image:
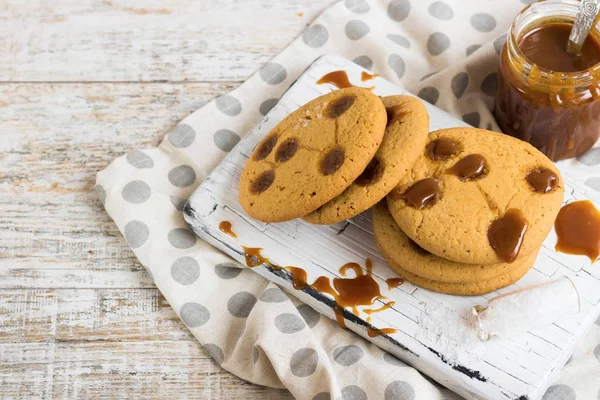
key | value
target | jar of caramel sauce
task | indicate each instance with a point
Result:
(546, 96)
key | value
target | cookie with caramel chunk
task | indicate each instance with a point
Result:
(312, 155)
(476, 196)
(404, 253)
(405, 136)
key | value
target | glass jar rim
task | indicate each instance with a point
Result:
(578, 77)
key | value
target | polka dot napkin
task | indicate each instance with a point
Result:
(446, 52)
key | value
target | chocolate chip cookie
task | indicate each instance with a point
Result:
(476, 196)
(312, 155)
(412, 258)
(405, 136)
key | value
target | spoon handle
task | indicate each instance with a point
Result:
(586, 17)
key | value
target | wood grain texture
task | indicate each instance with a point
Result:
(82, 82)
(134, 40)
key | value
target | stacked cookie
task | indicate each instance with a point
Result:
(334, 157)
(467, 209)
(471, 215)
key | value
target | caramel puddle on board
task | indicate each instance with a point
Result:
(365, 76)
(225, 227)
(360, 291)
(578, 229)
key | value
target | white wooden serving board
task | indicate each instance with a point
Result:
(520, 367)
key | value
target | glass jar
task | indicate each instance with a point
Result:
(557, 112)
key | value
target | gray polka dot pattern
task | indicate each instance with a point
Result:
(390, 359)
(590, 157)
(273, 73)
(437, 43)
(289, 323)
(136, 192)
(136, 233)
(255, 354)
(322, 396)
(353, 392)
(429, 94)
(227, 270)
(241, 304)
(473, 119)
(101, 193)
(396, 63)
(194, 314)
(364, 61)
(398, 10)
(559, 392)
(483, 22)
(399, 390)
(304, 362)
(597, 353)
(490, 84)
(598, 321)
(594, 183)
(181, 238)
(228, 105)
(182, 136)
(185, 270)
(357, 6)
(498, 43)
(182, 176)
(399, 39)
(215, 352)
(347, 355)
(178, 202)
(472, 48)
(311, 317)
(139, 160)
(441, 10)
(315, 36)
(356, 29)
(266, 106)
(225, 139)
(273, 295)
(459, 84)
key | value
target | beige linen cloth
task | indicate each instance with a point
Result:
(444, 51)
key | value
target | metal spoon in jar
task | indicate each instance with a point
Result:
(586, 17)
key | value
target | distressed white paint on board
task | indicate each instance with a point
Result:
(505, 369)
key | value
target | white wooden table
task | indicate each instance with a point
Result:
(82, 82)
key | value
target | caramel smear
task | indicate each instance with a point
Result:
(470, 168)
(542, 180)
(336, 78)
(506, 234)
(578, 229)
(421, 194)
(365, 76)
(225, 227)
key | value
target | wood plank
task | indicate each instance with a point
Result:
(28, 315)
(119, 370)
(178, 40)
(54, 140)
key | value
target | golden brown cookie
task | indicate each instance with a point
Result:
(464, 288)
(409, 256)
(405, 136)
(312, 155)
(476, 196)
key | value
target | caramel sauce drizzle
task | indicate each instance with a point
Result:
(374, 332)
(337, 78)
(362, 290)
(578, 229)
(394, 282)
(254, 258)
(225, 227)
(365, 76)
